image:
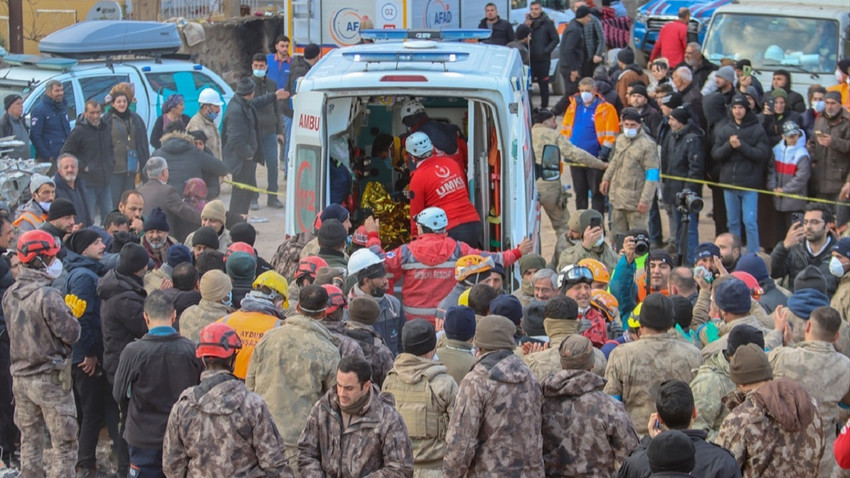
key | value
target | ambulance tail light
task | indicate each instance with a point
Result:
(404, 78)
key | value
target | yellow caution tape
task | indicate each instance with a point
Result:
(252, 188)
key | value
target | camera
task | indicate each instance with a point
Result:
(688, 201)
(641, 244)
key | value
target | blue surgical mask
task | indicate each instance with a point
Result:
(819, 106)
(630, 132)
(259, 73)
(44, 205)
(212, 116)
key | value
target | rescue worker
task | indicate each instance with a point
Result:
(575, 281)
(201, 438)
(353, 430)
(426, 264)
(362, 314)
(260, 311)
(370, 274)
(585, 431)
(456, 353)
(482, 439)
(425, 395)
(33, 213)
(333, 321)
(305, 274)
(216, 293)
(41, 331)
(469, 271)
(447, 138)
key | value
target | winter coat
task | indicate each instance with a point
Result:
(501, 32)
(712, 461)
(458, 357)
(29, 216)
(83, 274)
(692, 96)
(773, 295)
(605, 120)
(594, 36)
(185, 162)
(790, 262)
(710, 385)
(744, 166)
(40, 326)
(374, 349)
(830, 165)
(774, 123)
(121, 315)
(542, 135)
(682, 155)
(298, 67)
(181, 217)
(347, 346)
(9, 126)
(159, 129)
(240, 136)
(586, 432)
(372, 443)
(224, 241)
(775, 430)
(292, 367)
(790, 169)
(544, 39)
(390, 321)
(632, 74)
(268, 112)
(841, 299)
(209, 128)
(196, 317)
(200, 440)
(77, 195)
(701, 72)
(636, 369)
(49, 127)
(570, 252)
(254, 318)
(481, 441)
(632, 171)
(723, 329)
(547, 362)
(571, 51)
(523, 50)
(139, 133)
(182, 299)
(424, 397)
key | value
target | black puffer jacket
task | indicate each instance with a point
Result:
(790, 262)
(92, 145)
(121, 314)
(240, 136)
(544, 39)
(185, 162)
(683, 155)
(744, 166)
(711, 460)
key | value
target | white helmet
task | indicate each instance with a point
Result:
(362, 259)
(410, 108)
(419, 145)
(209, 96)
(433, 218)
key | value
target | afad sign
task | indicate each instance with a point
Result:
(438, 14)
(345, 26)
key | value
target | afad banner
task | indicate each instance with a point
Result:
(435, 14)
(345, 23)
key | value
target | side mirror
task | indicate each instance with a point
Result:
(551, 162)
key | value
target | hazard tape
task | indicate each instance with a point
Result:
(252, 188)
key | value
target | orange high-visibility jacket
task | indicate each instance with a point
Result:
(605, 118)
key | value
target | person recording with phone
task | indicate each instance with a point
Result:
(809, 242)
(639, 272)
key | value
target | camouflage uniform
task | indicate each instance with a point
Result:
(636, 369)
(495, 428)
(219, 428)
(570, 252)
(372, 443)
(841, 298)
(825, 374)
(548, 362)
(711, 348)
(196, 317)
(711, 384)
(774, 431)
(586, 432)
(424, 397)
(41, 332)
(348, 347)
(293, 366)
(374, 348)
(457, 356)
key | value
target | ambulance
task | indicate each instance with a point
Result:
(357, 92)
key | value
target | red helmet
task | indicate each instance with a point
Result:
(239, 247)
(336, 298)
(755, 289)
(310, 266)
(360, 236)
(218, 340)
(36, 243)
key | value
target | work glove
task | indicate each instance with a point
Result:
(77, 305)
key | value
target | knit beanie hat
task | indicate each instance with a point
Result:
(809, 278)
(706, 249)
(215, 285)
(507, 306)
(80, 240)
(778, 92)
(245, 87)
(418, 337)
(742, 335)
(671, 451)
(494, 332)
(205, 236)
(243, 232)
(626, 55)
(683, 311)
(576, 353)
(833, 95)
(532, 318)
(241, 267)
(132, 259)
(459, 323)
(215, 211)
(522, 32)
(332, 234)
(802, 302)
(740, 100)
(61, 208)
(727, 73)
(326, 275)
(365, 310)
(156, 220)
(335, 211)
(177, 254)
(38, 180)
(733, 296)
(754, 265)
(531, 261)
(9, 99)
(656, 312)
(750, 365)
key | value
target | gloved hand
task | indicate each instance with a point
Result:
(604, 153)
(77, 305)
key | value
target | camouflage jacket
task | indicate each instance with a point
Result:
(710, 385)
(548, 362)
(348, 347)
(774, 431)
(630, 171)
(292, 367)
(570, 252)
(424, 397)
(373, 443)
(374, 348)
(219, 428)
(586, 432)
(40, 326)
(196, 317)
(636, 369)
(841, 298)
(542, 136)
(485, 441)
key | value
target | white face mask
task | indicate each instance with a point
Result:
(586, 97)
(630, 132)
(836, 268)
(819, 106)
(600, 241)
(54, 270)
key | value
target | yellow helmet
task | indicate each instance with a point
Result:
(472, 264)
(275, 282)
(598, 269)
(634, 319)
(464, 298)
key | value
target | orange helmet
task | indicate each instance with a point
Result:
(598, 269)
(218, 340)
(755, 289)
(605, 303)
(37, 243)
(336, 298)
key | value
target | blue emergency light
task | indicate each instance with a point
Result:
(451, 34)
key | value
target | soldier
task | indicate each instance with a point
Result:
(712, 381)
(363, 312)
(219, 428)
(528, 266)
(636, 369)
(41, 331)
(333, 319)
(770, 418)
(375, 442)
(733, 300)
(482, 438)
(425, 396)
(216, 290)
(295, 364)
(457, 352)
(820, 369)
(585, 431)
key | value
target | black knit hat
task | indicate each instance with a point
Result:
(671, 451)
(243, 232)
(81, 240)
(9, 99)
(61, 208)
(205, 236)
(809, 278)
(156, 220)
(332, 234)
(743, 335)
(418, 337)
(656, 312)
(132, 259)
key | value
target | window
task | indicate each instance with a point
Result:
(70, 100)
(97, 87)
(187, 83)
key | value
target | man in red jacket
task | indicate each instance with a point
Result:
(672, 39)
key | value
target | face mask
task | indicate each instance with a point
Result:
(378, 292)
(600, 241)
(586, 96)
(836, 268)
(228, 301)
(212, 115)
(259, 73)
(44, 205)
(819, 106)
(630, 132)
(54, 270)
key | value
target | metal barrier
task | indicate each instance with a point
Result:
(200, 9)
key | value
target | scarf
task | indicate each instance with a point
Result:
(356, 407)
(560, 327)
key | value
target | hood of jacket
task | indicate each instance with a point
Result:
(256, 304)
(572, 383)
(73, 261)
(716, 363)
(787, 402)
(504, 366)
(30, 281)
(114, 283)
(432, 249)
(223, 398)
(411, 368)
(603, 87)
(781, 150)
(635, 68)
(177, 142)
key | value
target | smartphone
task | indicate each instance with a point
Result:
(818, 133)
(595, 222)
(796, 217)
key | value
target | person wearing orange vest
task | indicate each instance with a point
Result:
(592, 124)
(842, 74)
(33, 213)
(262, 310)
(629, 285)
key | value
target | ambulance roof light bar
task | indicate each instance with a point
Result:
(450, 34)
(406, 57)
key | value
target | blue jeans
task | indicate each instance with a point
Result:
(145, 463)
(693, 236)
(287, 123)
(742, 206)
(99, 198)
(270, 155)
